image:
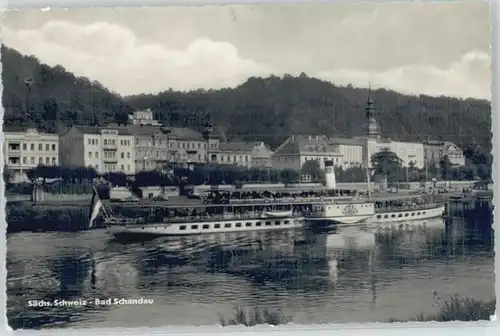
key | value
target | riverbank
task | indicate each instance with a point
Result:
(455, 308)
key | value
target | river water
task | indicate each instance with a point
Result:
(347, 276)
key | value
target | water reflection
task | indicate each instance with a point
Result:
(364, 274)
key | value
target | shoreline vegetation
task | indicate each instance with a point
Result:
(455, 308)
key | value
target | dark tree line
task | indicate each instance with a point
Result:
(267, 109)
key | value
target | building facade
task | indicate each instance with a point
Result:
(411, 153)
(235, 153)
(351, 151)
(297, 149)
(158, 146)
(106, 149)
(143, 118)
(261, 156)
(435, 151)
(26, 150)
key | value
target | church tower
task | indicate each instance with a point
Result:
(373, 128)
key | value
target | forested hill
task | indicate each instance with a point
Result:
(54, 94)
(266, 109)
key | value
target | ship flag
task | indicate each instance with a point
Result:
(95, 207)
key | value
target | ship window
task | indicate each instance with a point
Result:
(400, 215)
(206, 226)
(386, 216)
(194, 227)
(393, 216)
(418, 213)
(216, 226)
(277, 223)
(182, 227)
(248, 224)
(379, 216)
(413, 214)
(287, 222)
(238, 224)
(406, 214)
(227, 225)
(268, 223)
(258, 224)
(423, 213)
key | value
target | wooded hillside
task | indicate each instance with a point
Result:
(267, 109)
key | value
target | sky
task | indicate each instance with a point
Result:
(417, 48)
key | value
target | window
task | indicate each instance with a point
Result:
(90, 155)
(206, 226)
(182, 227)
(122, 155)
(40, 147)
(53, 160)
(227, 225)
(123, 167)
(25, 159)
(47, 147)
(47, 160)
(53, 147)
(32, 147)
(40, 160)
(128, 155)
(268, 223)
(90, 141)
(25, 147)
(258, 224)
(277, 223)
(287, 222)
(216, 226)
(194, 227)
(248, 224)
(238, 224)
(96, 155)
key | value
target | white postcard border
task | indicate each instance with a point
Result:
(453, 328)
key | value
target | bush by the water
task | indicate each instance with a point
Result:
(31, 218)
(256, 316)
(458, 308)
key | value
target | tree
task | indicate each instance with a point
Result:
(7, 175)
(446, 168)
(312, 168)
(386, 163)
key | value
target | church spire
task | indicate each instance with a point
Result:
(373, 130)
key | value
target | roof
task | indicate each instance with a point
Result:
(300, 144)
(260, 150)
(345, 141)
(236, 146)
(182, 133)
(97, 130)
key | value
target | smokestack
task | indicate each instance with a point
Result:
(330, 180)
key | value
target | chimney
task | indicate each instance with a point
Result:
(330, 181)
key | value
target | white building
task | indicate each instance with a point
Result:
(406, 151)
(434, 151)
(351, 151)
(235, 153)
(25, 150)
(297, 149)
(107, 149)
(261, 155)
(143, 118)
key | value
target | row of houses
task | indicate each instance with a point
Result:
(144, 144)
